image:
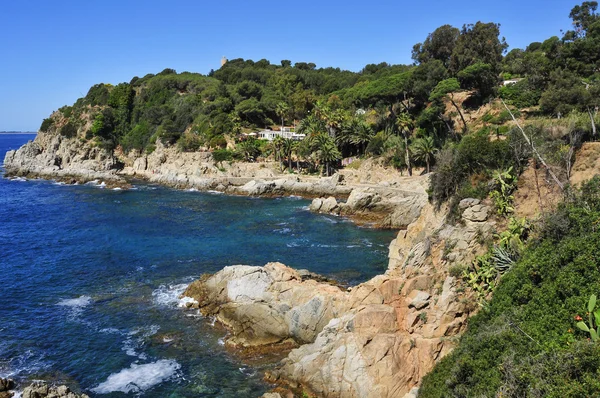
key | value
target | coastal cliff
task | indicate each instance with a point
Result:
(377, 339)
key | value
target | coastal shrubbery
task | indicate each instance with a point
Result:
(525, 343)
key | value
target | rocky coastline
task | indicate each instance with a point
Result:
(377, 339)
(369, 195)
(37, 389)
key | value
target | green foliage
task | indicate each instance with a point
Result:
(474, 154)
(502, 194)
(522, 94)
(593, 325)
(524, 342)
(222, 155)
(249, 149)
(69, 130)
(47, 124)
(479, 76)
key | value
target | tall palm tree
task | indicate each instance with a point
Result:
(362, 135)
(287, 147)
(424, 149)
(282, 109)
(405, 125)
(327, 151)
(278, 149)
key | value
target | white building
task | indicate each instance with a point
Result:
(286, 132)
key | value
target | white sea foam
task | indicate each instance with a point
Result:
(93, 182)
(192, 190)
(19, 179)
(102, 185)
(117, 189)
(79, 302)
(136, 339)
(168, 295)
(215, 192)
(138, 378)
(183, 302)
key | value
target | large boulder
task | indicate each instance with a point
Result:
(267, 305)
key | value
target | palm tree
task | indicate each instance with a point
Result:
(327, 151)
(424, 149)
(362, 135)
(282, 109)
(287, 147)
(405, 125)
(278, 146)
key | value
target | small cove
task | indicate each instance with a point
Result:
(91, 278)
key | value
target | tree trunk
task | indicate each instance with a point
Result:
(408, 163)
(460, 114)
(427, 161)
(593, 123)
(290, 162)
(537, 154)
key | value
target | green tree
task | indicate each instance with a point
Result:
(447, 88)
(327, 151)
(424, 150)
(478, 43)
(439, 45)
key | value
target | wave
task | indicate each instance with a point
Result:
(76, 303)
(138, 378)
(136, 339)
(168, 295)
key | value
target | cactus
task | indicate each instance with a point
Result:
(594, 320)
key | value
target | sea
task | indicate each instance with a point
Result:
(90, 280)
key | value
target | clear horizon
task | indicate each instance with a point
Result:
(58, 50)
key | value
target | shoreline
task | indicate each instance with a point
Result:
(393, 327)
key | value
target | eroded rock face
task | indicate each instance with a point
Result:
(267, 305)
(52, 155)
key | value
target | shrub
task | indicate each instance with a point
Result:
(47, 124)
(474, 154)
(69, 130)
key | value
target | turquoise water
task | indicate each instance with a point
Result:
(90, 279)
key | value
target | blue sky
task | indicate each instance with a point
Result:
(51, 52)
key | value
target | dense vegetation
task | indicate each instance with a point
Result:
(404, 113)
(525, 343)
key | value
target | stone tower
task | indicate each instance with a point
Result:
(223, 61)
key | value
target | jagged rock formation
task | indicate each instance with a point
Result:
(43, 390)
(37, 389)
(52, 155)
(376, 340)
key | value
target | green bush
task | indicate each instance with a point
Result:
(46, 124)
(222, 155)
(474, 154)
(69, 130)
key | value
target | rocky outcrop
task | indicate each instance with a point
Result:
(267, 305)
(52, 155)
(6, 385)
(43, 390)
(377, 339)
(382, 206)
